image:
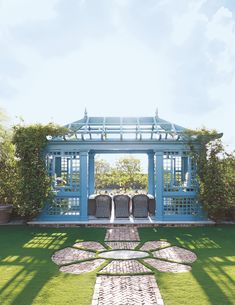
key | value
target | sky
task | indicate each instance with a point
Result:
(119, 58)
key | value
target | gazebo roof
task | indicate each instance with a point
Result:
(124, 128)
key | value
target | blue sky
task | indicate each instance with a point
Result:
(119, 58)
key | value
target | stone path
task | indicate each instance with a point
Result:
(127, 245)
(91, 245)
(153, 245)
(176, 254)
(70, 255)
(82, 267)
(164, 266)
(125, 280)
(123, 289)
(124, 267)
(126, 290)
(122, 234)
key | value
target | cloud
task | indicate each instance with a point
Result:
(15, 12)
(122, 57)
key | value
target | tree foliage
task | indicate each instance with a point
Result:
(125, 174)
(33, 182)
(216, 173)
(8, 173)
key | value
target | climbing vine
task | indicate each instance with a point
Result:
(215, 170)
(8, 173)
(33, 183)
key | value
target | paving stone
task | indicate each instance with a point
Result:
(82, 267)
(176, 254)
(92, 245)
(124, 267)
(164, 266)
(123, 234)
(152, 245)
(126, 290)
(70, 255)
(124, 254)
(125, 245)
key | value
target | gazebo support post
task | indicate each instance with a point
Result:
(159, 186)
(151, 173)
(83, 184)
(91, 174)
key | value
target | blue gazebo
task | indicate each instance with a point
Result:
(171, 170)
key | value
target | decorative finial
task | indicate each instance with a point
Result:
(85, 113)
(156, 113)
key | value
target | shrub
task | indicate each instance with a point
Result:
(34, 184)
(216, 173)
(8, 173)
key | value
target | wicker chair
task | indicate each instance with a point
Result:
(91, 205)
(140, 205)
(103, 205)
(121, 206)
(152, 204)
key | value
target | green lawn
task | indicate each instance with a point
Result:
(212, 280)
(28, 276)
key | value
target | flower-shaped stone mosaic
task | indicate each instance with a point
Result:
(123, 258)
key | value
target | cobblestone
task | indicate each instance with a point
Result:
(164, 266)
(82, 267)
(152, 245)
(176, 254)
(125, 245)
(91, 245)
(126, 290)
(124, 267)
(70, 255)
(122, 234)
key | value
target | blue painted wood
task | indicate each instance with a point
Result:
(151, 186)
(58, 166)
(91, 174)
(83, 184)
(183, 218)
(189, 171)
(159, 186)
(146, 140)
(184, 167)
(63, 193)
(179, 193)
(115, 146)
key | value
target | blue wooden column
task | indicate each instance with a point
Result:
(83, 184)
(91, 174)
(151, 173)
(159, 186)
(184, 167)
(58, 166)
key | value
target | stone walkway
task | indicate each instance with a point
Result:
(125, 275)
(124, 267)
(153, 245)
(71, 255)
(82, 267)
(90, 245)
(122, 234)
(123, 289)
(164, 266)
(127, 245)
(126, 290)
(176, 254)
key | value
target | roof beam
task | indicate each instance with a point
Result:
(121, 128)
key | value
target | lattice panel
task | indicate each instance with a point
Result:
(64, 206)
(179, 172)
(65, 170)
(180, 206)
